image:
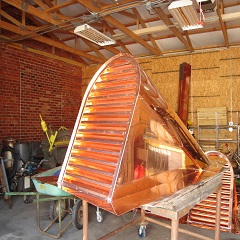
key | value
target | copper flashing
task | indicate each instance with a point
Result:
(128, 146)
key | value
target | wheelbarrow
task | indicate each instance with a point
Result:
(61, 203)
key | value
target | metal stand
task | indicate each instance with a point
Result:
(174, 207)
(4, 182)
(38, 199)
(175, 215)
(61, 229)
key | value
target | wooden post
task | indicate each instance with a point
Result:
(174, 229)
(85, 220)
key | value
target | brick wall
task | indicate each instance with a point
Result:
(32, 84)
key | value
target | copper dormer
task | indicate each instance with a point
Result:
(128, 146)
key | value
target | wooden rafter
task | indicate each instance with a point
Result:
(170, 24)
(149, 35)
(120, 26)
(132, 35)
(142, 31)
(48, 18)
(48, 41)
(91, 46)
(10, 18)
(41, 4)
(220, 11)
(65, 4)
(128, 14)
(120, 43)
(187, 37)
(43, 20)
(20, 46)
(32, 10)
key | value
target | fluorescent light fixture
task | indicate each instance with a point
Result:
(93, 35)
(185, 14)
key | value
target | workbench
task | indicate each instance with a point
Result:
(172, 207)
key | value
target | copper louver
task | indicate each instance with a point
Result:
(128, 146)
(204, 213)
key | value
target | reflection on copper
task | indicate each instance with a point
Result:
(128, 146)
(203, 214)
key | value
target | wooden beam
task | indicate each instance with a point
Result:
(132, 35)
(128, 14)
(48, 9)
(112, 49)
(230, 16)
(48, 41)
(220, 11)
(20, 46)
(171, 26)
(94, 49)
(48, 2)
(48, 18)
(23, 19)
(142, 31)
(225, 17)
(126, 5)
(149, 30)
(188, 38)
(119, 25)
(10, 18)
(120, 43)
(32, 10)
(57, 7)
(136, 13)
(41, 4)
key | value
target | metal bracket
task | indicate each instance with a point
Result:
(25, 6)
(55, 17)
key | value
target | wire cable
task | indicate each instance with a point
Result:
(231, 93)
(69, 24)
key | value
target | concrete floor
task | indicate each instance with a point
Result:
(19, 223)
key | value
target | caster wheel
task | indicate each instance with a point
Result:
(77, 215)
(99, 216)
(142, 231)
(28, 201)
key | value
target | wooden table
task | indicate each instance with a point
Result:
(173, 207)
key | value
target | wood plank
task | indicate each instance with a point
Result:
(120, 26)
(48, 41)
(212, 116)
(186, 198)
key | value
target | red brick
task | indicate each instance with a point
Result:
(31, 85)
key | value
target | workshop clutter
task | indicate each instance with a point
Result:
(54, 144)
(21, 160)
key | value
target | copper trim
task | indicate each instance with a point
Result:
(128, 146)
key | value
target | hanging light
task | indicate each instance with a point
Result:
(185, 14)
(93, 35)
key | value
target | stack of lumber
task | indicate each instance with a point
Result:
(212, 116)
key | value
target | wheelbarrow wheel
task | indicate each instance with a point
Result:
(77, 215)
(54, 209)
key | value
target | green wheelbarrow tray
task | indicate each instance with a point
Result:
(46, 183)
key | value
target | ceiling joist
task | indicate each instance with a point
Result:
(139, 26)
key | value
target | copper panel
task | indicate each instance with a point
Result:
(184, 91)
(203, 214)
(128, 146)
